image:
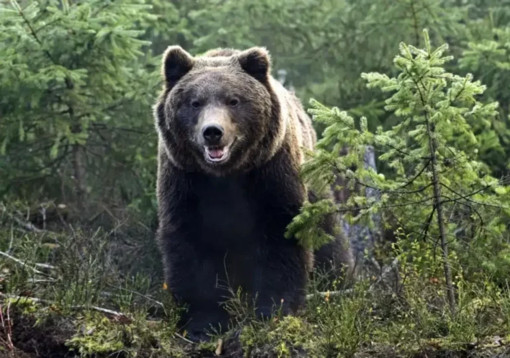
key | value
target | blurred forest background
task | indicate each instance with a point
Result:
(78, 165)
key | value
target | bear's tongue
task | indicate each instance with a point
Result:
(216, 153)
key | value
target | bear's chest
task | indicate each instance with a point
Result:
(227, 211)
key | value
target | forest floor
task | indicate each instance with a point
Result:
(51, 339)
(69, 291)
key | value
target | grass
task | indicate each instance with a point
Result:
(78, 292)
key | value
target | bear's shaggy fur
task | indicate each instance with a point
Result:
(224, 207)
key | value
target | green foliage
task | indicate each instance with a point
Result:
(331, 326)
(421, 315)
(486, 55)
(75, 110)
(431, 158)
(341, 322)
(434, 140)
(306, 227)
(78, 79)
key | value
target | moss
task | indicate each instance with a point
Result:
(97, 335)
(281, 337)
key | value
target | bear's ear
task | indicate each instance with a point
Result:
(176, 63)
(256, 62)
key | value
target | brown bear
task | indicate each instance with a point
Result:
(231, 142)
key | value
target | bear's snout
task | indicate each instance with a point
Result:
(215, 134)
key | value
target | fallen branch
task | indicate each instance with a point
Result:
(22, 263)
(116, 314)
(45, 266)
(148, 298)
(384, 274)
(183, 338)
(28, 226)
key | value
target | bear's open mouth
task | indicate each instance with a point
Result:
(217, 154)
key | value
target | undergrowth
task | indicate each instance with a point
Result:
(68, 283)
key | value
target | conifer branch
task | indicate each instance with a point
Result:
(394, 191)
(417, 175)
(467, 196)
(32, 31)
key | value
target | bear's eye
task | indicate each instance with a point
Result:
(233, 102)
(195, 104)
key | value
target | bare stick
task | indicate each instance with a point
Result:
(148, 298)
(384, 274)
(28, 226)
(22, 263)
(74, 307)
(183, 338)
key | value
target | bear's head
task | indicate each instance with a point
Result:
(220, 112)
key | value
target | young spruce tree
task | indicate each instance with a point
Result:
(434, 187)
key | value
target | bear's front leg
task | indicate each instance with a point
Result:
(280, 278)
(193, 279)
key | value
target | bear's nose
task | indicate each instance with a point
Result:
(212, 134)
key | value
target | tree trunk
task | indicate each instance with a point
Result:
(440, 219)
(79, 175)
